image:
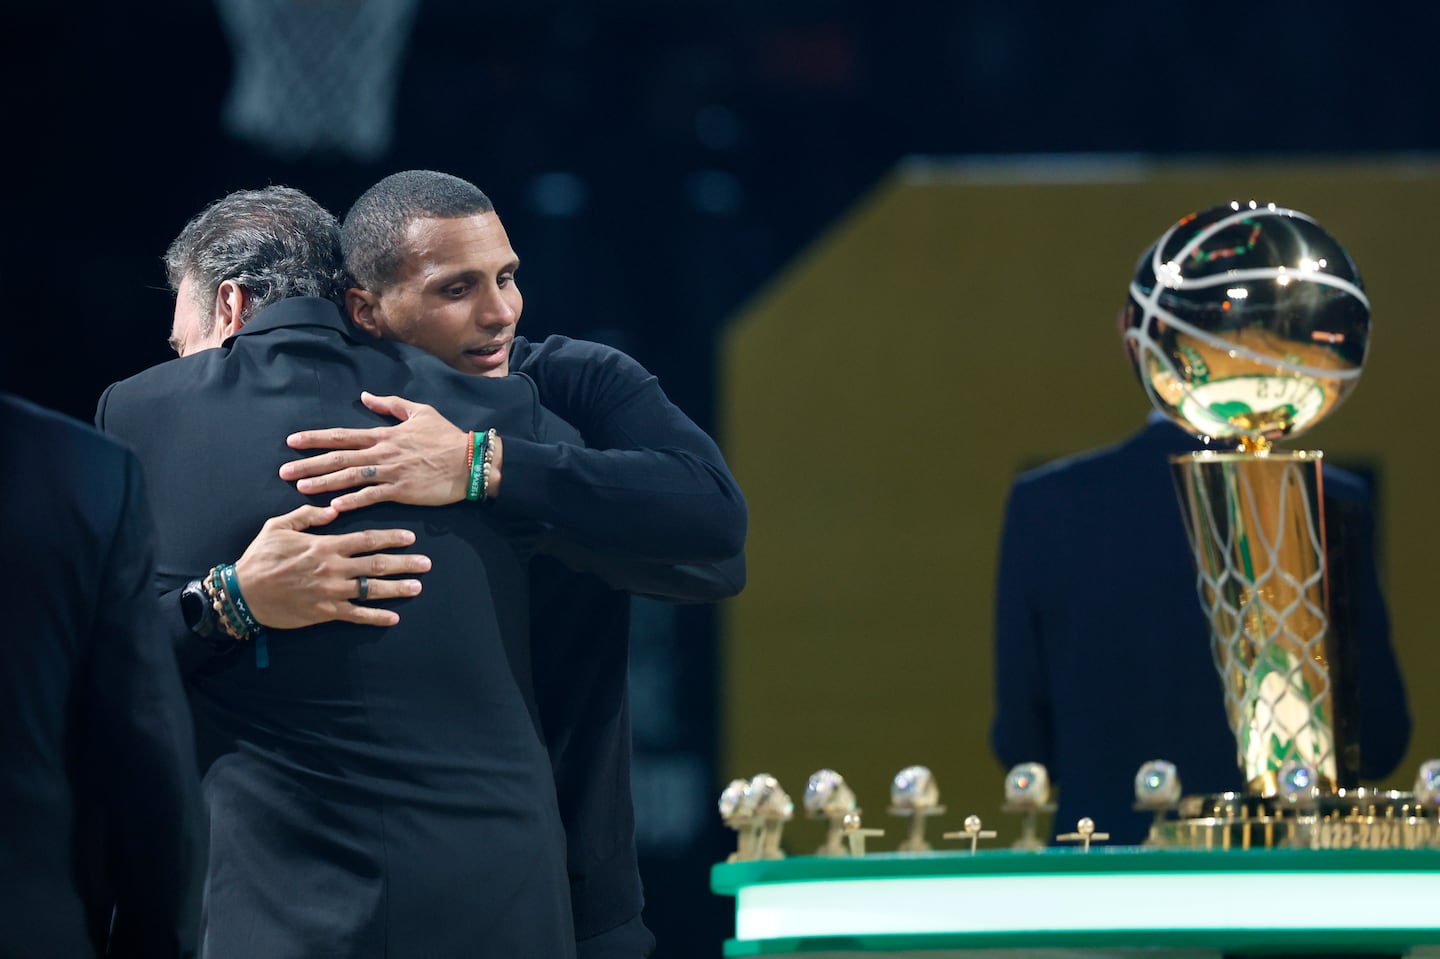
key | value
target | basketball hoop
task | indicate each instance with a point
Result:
(315, 75)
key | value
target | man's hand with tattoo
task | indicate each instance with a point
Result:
(293, 578)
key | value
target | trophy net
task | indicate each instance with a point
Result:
(1255, 526)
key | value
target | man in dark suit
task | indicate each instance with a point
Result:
(103, 850)
(621, 518)
(1102, 652)
(372, 792)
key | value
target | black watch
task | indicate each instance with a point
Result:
(200, 616)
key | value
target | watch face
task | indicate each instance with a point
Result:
(196, 608)
(191, 597)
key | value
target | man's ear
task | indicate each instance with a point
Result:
(231, 299)
(361, 305)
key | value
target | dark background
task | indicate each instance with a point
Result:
(655, 163)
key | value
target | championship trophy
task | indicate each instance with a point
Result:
(1249, 324)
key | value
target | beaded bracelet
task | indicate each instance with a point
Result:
(213, 596)
(478, 464)
(224, 608)
(223, 590)
(485, 462)
(219, 601)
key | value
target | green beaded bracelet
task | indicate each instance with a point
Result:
(480, 440)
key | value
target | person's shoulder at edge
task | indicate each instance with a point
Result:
(583, 364)
(580, 380)
(289, 314)
(71, 446)
(1156, 436)
(560, 348)
(21, 414)
(1344, 484)
(28, 425)
(162, 372)
(1066, 467)
(1159, 433)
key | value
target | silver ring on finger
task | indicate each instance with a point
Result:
(364, 583)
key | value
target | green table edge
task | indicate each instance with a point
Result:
(1278, 941)
(729, 878)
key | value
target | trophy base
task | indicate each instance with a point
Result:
(1343, 819)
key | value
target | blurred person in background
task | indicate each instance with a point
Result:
(104, 837)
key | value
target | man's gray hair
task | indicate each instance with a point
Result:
(373, 237)
(275, 242)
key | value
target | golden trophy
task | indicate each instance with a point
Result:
(1248, 324)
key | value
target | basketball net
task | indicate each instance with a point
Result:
(1254, 524)
(315, 75)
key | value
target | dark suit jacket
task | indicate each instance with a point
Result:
(98, 789)
(1102, 653)
(373, 792)
(581, 630)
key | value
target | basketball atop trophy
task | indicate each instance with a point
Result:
(1247, 323)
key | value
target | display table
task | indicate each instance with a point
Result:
(1120, 901)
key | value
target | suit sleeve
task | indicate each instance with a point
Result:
(140, 725)
(671, 582)
(1020, 731)
(651, 486)
(190, 650)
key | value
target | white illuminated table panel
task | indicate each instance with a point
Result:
(1110, 901)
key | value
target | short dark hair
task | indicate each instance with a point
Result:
(275, 242)
(372, 237)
